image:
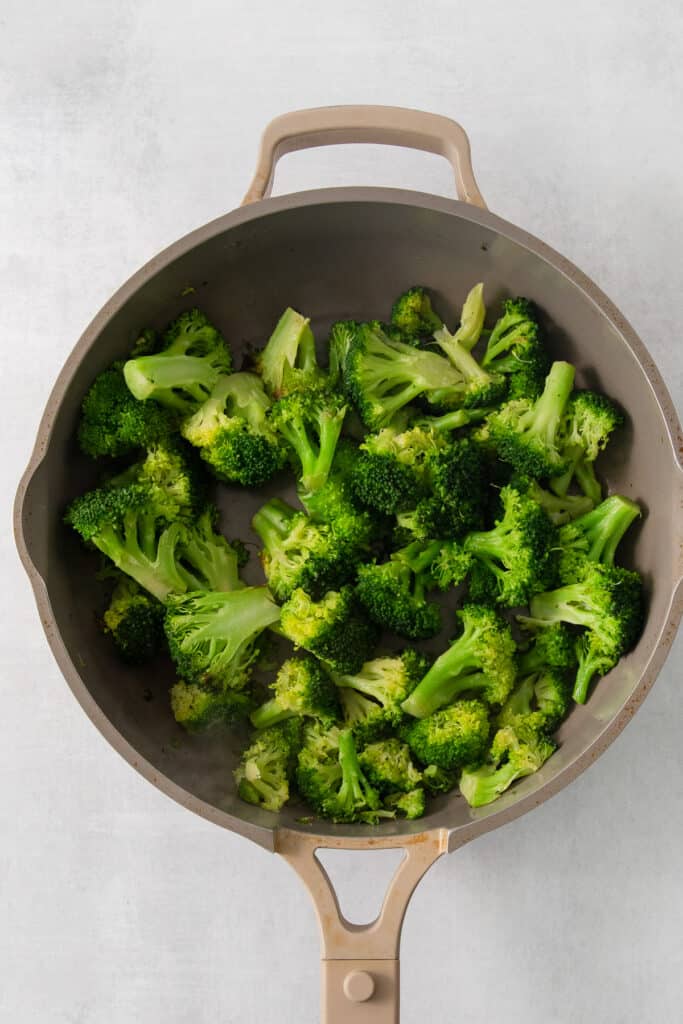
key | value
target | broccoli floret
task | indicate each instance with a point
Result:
(196, 707)
(540, 701)
(527, 433)
(607, 602)
(553, 645)
(388, 766)
(413, 316)
(450, 738)
(594, 537)
(301, 687)
(134, 620)
(310, 421)
(518, 550)
(233, 434)
(333, 629)
(124, 525)
(515, 752)
(437, 780)
(183, 374)
(212, 636)
(393, 592)
(409, 805)
(390, 473)
(451, 565)
(560, 509)
(481, 660)
(372, 696)
(330, 778)
(114, 423)
(588, 424)
(268, 765)
(296, 551)
(208, 560)
(288, 361)
(481, 388)
(171, 478)
(341, 336)
(514, 349)
(458, 481)
(383, 376)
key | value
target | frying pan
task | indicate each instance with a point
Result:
(335, 253)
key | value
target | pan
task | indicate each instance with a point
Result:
(335, 253)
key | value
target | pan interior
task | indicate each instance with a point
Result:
(331, 260)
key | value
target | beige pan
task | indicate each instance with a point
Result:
(336, 253)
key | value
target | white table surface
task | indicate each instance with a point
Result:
(125, 124)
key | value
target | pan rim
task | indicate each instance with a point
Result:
(265, 835)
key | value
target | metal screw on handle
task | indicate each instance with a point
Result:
(391, 126)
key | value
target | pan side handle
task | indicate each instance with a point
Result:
(360, 963)
(391, 126)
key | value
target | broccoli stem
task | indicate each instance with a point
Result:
(354, 789)
(566, 604)
(453, 672)
(273, 522)
(456, 419)
(269, 713)
(316, 457)
(587, 480)
(543, 419)
(460, 357)
(605, 526)
(148, 374)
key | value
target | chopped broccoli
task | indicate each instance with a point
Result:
(114, 423)
(208, 560)
(526, 433)
(197, 707)
(560, 509)
(540, 700)
(452, 737)
(183, 373)
(310, 421)
(212, 636)
(413, 315)
(296, 551)
(268, 765)
(383, 376)
(331, 779)
(594, 537)
(481, 660)
(390, 473)
(172, 479)
(451, 565)
(372, 696)
(514, 349)
(515, 752)
(409, 805)
(518, 550)
(233, 434)
(553, 645)
(481, 388)
(437, 780)
(301, 687)
(332, 629)
(393, 592)
(589, 422)
(388, 766)
(607, 602)
(288, 361)
(134, 620)
(341, 336)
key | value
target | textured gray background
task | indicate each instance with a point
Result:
(124, 125)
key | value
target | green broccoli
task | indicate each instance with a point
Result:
(213, 636)
(437, 780)
(339, 342)
(452, 737)
(134, 620)
(481, 660)
(171, 476)
(553, 645)
(197, 707)
(560, 509)
(409, 805)
(383, 376)
(372, 696)
(515, 752)
(182, 375)
(526, 433)
(481, 388)
(413, 316)
(594, 537)
(455, 420)
(393, 592)
(268, 766)
(233, 434)
(310, 421)
(518, 550)
(388, 766)
(540, 700)
(589, 422)
(330, 778)
(514, 349)
(301, 687)
(390, 473)
(296, 551)
(114, 423)
(607, 602)
(288, 361)
(207, 560)
(332, 629)
(457, 481)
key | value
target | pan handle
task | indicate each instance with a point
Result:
(360, 966)
(391, 126)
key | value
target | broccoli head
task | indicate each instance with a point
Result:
(540, 701)
(182, 375)
(114, 423)
(310, 421)
(333, 629)
(514, 348)
(515, 752)
(589, 422)
(481, 660)
(288, 361)
(413, 316)
(452, 737)
(553, 646)
(388, 766)
(389, 475)
(372, 696)
(134, 620)
(197, 707)
(330, 778)
(409, 805)
(393, 592)
(301, 687)
(268, 766)
(595, 536)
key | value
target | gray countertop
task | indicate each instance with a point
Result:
(124, 125)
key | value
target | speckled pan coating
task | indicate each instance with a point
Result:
(335, 253)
